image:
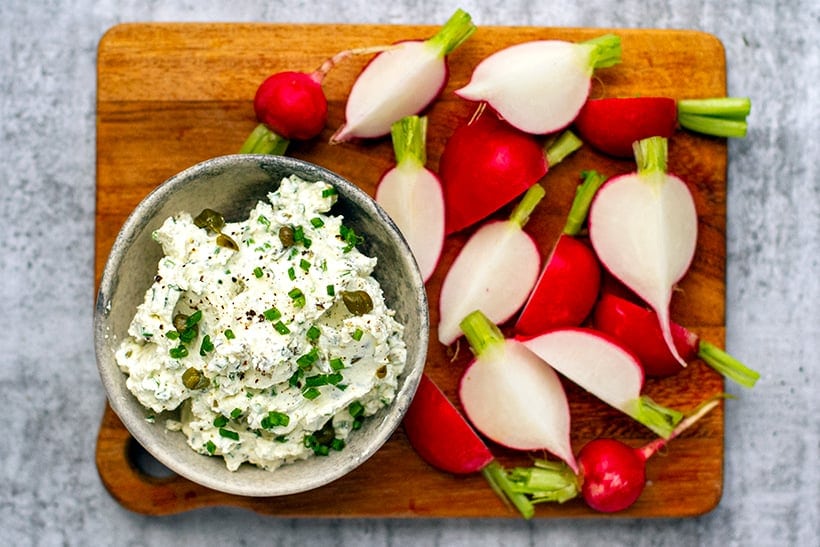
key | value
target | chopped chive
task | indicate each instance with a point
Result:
(263, 220)
(206, 345)
(281, 438)
(258, 272)
(321, 450)
(341, 387)
(334, 379)
(337, 444)
(307, 360)
(298, 234)
(281, 328)
(296, 378)
(236, 413)
(291, 273)
(229, 334)
(220, 421)
(178, 352)
(311, 393)
(272, 314)
(193, 319)
(210, 447)
(298, 297)
(331, 290)
(357, 424)
(313, 333)
(304, 264)
(316, 381)
(357, 334)
(307, 242)
(327, 192)
(275, 419)
(336, 364)
(172, 335)
(317, 222)
(228, 434)
(356, 409)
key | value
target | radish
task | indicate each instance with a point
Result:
(444, 439)
(486, 163)
(611, 475)
(511, 396)
(568, 286)
(637, 328)
(539, 86)
(291, 105)
(494, 272)
(643, 227)
(612, 124)
(401, 81)
(606, 369)
(412, 196)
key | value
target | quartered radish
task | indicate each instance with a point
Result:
(540, 86)
(291, 105)
(568, 285)
(486, 163)
(443, 438)
(494, 272)
(611, 475)
(602, 366)
(637, 328)
(411, 194)
(613, 124)
(511, 396)
(401, 81)
(644, 227)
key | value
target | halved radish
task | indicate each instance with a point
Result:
(600, 365)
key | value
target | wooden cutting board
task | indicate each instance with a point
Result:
(171, 95)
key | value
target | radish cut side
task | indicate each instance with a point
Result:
(598, 364)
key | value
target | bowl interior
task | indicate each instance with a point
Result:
(232, 185)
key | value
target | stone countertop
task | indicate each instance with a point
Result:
(51, 494)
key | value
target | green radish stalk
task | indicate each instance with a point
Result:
(643, 227)
(494, 272)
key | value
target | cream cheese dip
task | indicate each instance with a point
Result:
(269, 335)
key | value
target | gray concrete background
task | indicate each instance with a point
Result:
(50, 394)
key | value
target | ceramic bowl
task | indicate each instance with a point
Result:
(232, 185)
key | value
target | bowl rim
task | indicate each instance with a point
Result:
(113, 379)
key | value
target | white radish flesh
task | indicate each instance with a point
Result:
(644, 227)
(411, 194)
(540, 86)
(598, 364)
(401, 81)
(494, 272)
(511, 396)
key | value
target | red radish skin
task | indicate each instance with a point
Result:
(643, 227)
(440, 435)
(539, 86)
(638, 329)
(611, 475)
(401, 81)
(570, 280)
(494, 272)
(511, 396)
(411, 194)
(486, 164)
(602, 366)
(611, 125)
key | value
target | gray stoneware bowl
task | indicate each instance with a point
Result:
(232, 185)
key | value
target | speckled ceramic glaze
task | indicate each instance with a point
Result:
(232, 185)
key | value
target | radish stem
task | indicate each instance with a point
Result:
(496, 475)
(453, 33)
(522, 211)
(264, 141)
(545, 481)
(658, 418)
(481, 333)
(719, 117)
(566, 143)
(607, 50)
(409, 137)
(592, 180)
(727, 365)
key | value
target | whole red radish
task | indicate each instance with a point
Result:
(511, 396)
(611, 475)
(486, 163)
(494, 272)
(411, 194)
(291, 105)
(539, 86)
(637, 328)
(602, 366)
(643, 227)
(401, 81)
(613, 124)
(444, 439)
(568, 285)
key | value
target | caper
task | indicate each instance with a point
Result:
(381, 372)
(226, 241)
(287, 236)
(325, 435)
(357, 302)
(193, 378)
(210, 219)
(180, 321)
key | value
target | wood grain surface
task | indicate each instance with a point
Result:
(171, 95)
